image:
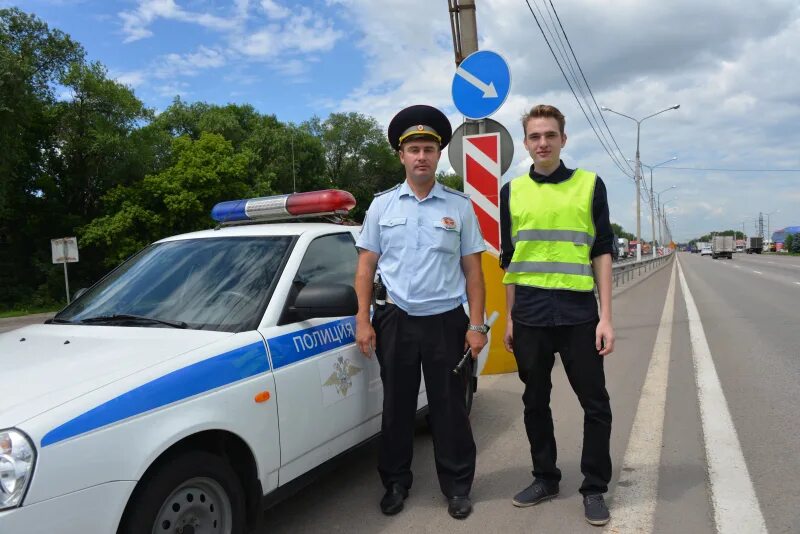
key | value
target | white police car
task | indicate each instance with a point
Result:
(192, 382)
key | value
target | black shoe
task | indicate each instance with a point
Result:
(537, 492)
(392, 501)
(459, 507)
(596, 509)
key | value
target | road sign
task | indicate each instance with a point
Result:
(482, 184)
(481, 84)
(455, 150)
(65, 250)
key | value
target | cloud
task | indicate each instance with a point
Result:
(204, 58)
(133, 79)
(732, 65)
(299, 33)
(287, 40)
(135, 24)
(274, 10)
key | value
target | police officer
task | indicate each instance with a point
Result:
(425, 241)
(556, 242)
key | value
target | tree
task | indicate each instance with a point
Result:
(791, 243)
(176, 200)
(619, 231)
(33, 60)
(453, 181)
(357, 156)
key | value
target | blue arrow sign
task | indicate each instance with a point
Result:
(481, 84)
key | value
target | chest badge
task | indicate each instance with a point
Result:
(448, 223)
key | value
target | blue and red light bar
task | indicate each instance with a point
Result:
(310, 204)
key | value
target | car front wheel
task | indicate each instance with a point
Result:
(195, 493)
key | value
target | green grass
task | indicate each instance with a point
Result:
(28, 311)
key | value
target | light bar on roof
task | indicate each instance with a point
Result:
(295, 205)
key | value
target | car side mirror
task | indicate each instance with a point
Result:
(325, 300)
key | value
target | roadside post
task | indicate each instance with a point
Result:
(481, 151)
(65, 250)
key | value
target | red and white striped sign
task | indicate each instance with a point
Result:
(482, 174)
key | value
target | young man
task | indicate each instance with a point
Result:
(556, 242)
(425, 241)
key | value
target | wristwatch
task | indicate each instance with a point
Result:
(482, 328)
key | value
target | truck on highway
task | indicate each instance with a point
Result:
(722, 246)
(755, 245)
(622, 247)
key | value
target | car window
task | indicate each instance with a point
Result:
(211, 284)
(328, 259)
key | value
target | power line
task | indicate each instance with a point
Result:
(729, 170)
(587, 85)
(572, 89)
(580, 86)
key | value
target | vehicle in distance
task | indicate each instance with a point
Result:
(755, 245)
(199, 381)
(622, 248)
(722, 246)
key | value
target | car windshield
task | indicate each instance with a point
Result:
(209, 284)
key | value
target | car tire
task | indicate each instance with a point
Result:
(196, 488)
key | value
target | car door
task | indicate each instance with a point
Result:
(329, 394)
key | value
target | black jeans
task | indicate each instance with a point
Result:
(435, 343)
(534, 350)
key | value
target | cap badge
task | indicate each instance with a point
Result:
(420, 128)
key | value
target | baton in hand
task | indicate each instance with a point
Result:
(468, 352)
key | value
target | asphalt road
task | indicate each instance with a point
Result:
(675, 469)
(750, 322)
(12, 323)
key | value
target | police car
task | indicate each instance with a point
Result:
(196, 380)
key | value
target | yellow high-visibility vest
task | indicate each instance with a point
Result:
(553, 232)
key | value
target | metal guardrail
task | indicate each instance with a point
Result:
(626, 271)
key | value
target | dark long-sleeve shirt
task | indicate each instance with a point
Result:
(535, 306)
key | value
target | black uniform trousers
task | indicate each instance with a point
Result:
(436, 344)
(534, 349)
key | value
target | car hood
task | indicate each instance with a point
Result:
(44, 366)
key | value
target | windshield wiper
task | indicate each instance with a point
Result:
(126, 317)
(58, 321)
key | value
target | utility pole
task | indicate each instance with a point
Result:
(464, 27)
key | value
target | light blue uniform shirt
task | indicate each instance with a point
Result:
(420, 243)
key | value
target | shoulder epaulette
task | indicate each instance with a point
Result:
(388, 190)
(455, 192)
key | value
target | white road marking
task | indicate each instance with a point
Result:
(635, 497)
(733, 498)
(758, 272)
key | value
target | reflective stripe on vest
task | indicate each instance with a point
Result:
(572, 236)
(553, 231)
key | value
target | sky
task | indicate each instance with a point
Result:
(732, 65)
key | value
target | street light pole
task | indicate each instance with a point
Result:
(663, 213)
(652, 198)
(769, 232)
(638, 172)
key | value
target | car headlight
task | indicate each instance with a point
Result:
(17, 457)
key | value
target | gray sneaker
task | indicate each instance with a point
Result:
(537, 492)
(596, 510)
